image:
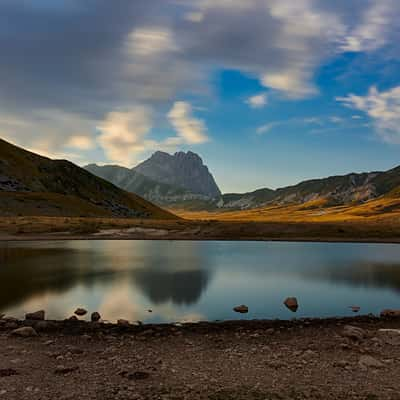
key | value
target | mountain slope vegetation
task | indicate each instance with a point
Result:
(334, 191)
(34, 185)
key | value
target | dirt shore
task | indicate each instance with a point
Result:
(54, 228)
(258, 360)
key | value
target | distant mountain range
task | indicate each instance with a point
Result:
(164, 179)
(334, 190)
(183, 181)
(34, 185)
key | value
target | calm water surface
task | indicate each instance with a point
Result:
(191, 281)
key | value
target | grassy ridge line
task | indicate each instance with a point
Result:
(65, 189)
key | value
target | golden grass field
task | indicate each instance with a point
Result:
(385, 210)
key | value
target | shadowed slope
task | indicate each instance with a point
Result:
(34, 185)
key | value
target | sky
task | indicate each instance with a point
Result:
(267, 92)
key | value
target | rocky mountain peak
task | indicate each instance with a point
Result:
(185, 170)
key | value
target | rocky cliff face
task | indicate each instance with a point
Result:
(184, 170)
(133, 181)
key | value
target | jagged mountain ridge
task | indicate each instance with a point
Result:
(36, 185)
(184, 170)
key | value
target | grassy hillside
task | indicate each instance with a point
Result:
(383, 209)
(335, 190)
(37, 185)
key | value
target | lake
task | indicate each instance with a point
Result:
(192, 281)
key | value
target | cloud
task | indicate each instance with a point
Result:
(336, 120)
(81, 142)
(123, 134)
(374, 29)
(59, 82)
(192, 130)
(149, 42)
(297, 121)
(257, 101)
(382, 107)
(268, 127)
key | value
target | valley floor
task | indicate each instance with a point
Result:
(255, 360)
(51, 228)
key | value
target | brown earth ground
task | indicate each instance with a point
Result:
(362, 229)
(256, 360)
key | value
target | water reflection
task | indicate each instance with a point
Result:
(196, 280)
(45, 269)
(180, 287)
(363, 274)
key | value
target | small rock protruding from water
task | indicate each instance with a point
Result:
(355, 309)
(95, 317)
(242, 309)
(123, 322)
(73, 318)
(36, 316)
(291, 303)
(80, 312)
(25, 331)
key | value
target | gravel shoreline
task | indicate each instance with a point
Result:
(336, 358)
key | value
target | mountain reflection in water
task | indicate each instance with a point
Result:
(195, 280)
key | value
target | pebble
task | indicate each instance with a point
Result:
(353, 332)
(390, 313)
(95, 317)
(62, 369)
(7, 372)
(137, 375)
(367, 361)
(80, 312)
(25, 331)
(36, 316)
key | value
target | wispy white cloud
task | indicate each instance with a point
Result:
(149, 57)
(81, 142)
(191, 129)
(382, 107)
(257, 101)
(124, 134)
(335, 119)
(373, 31)
(291, 121)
